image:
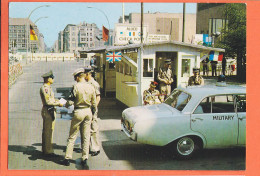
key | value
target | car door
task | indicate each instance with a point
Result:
(215, 118)
(241, 113)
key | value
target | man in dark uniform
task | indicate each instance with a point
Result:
(196, 79)
(48, 113)
(151, 96)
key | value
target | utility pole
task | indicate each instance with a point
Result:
(123, 13)
(140, 60)
(183, 22)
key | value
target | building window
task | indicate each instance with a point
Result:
(216, 25)
(185, 68)
(90, 39)
(148, 67)
(83, 39)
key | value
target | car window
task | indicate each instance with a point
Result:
(178, 100)
(216, 104)
(241, 103)
(222, 104)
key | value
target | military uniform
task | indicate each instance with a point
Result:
(151, 97)
(94, 137)
(83, 97)
(196, 79)
(165, 78)
(48, 116)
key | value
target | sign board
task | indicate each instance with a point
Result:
(126, 33)
(157, 38)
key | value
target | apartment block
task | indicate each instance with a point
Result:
(19, 36)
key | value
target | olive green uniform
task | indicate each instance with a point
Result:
(165, 78)
(193, 81)
(94, 133)
(48, 100)
(151, 97)
(83, 97)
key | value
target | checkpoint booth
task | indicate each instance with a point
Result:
(139, 64)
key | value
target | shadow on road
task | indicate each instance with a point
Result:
(34, 154)
(135, 153)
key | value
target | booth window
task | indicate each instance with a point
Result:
(111, 65)
(185, 67)
(147, 67)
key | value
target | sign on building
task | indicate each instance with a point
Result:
(129, 33)
(157, 38)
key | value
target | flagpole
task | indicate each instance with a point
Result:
(38, 30)
(106, 18)
(28, 30)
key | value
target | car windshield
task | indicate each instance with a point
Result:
(178, 99)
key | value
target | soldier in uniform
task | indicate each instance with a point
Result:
(165, 77)
(196, 79)
(94, 133)
(151, 96)
(48, 113)
(83, 97)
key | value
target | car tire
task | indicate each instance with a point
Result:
(185, 147)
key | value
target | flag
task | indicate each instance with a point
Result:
(113, 56)
(220, 56)
(33, 36)
(211, 55)
(214, 56)
(105, 34)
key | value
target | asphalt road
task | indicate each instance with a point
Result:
(117, 153)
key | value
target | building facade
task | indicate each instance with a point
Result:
(210, 18)
(80, 37)
(19, 33)
(167, 24)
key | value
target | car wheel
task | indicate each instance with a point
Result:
(185, 147)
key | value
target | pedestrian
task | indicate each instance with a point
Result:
(151, 95)
(48, 113)
(94, 133)
(92, 61)
(224, 62)
(165, 78)
(214, 67)
(205, 66)
(83, 97)
(196, 79)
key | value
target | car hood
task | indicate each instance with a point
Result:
(148, 112)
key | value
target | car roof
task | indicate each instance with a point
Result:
(208, 90)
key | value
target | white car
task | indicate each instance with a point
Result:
(191, 118)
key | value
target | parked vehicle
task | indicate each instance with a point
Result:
(191, 118)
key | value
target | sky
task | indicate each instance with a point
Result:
(59, 14)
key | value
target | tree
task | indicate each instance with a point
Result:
(233, 36)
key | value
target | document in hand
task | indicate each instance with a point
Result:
(62, 101)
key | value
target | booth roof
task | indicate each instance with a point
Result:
(133, 46)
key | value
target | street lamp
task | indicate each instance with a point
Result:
(28, 30)
(106, 18)
(38, 31)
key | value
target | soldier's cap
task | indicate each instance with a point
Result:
(78, 71)
(153, 84)
(88, 69)
(48, 75)
(196, 70)
(167, 61)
